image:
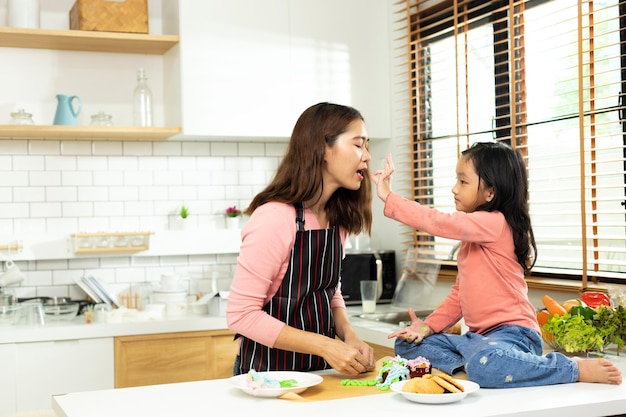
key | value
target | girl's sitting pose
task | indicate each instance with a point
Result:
(503, 347)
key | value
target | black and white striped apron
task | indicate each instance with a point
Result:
(302, 300)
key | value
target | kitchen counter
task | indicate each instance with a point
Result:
(78, 329)
(370, 331)
(193, 399)
(196, 398)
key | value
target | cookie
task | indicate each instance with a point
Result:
(422, 386)
(453, 381)
(448, 386)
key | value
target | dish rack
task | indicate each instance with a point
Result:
(110, 242)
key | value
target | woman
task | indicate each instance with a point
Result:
(285, 300)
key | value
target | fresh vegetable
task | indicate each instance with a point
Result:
(611, 324)
(574, 302)
(574, 333)
(554, 308)
(586, 312)
(542, 317)
(594, 299)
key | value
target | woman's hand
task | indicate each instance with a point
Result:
(414, 333)
(347, 353)
(382, 179)
(348, 359)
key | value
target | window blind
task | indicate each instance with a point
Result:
(549, 78)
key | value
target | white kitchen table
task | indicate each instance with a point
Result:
(199, 399)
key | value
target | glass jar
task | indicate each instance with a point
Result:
(101, 119)
(20, 117)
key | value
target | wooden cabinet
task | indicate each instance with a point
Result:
(249, 68)
(173, 357)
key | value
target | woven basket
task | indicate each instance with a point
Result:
(110, 15)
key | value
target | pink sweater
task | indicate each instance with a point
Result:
(266, 242)
(490, 290)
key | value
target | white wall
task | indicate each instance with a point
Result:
(83, 186)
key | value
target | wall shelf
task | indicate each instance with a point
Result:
(79, 40)
(87, 132)
(110, 242)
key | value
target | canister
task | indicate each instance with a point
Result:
(23, 13)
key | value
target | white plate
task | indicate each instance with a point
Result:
(87, 290)
(446, 398)
(305, 380)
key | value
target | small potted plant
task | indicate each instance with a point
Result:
(178, 218)
(232, 217)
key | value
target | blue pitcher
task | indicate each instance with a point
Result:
(68, 108)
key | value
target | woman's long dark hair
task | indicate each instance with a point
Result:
(503, 168)
(299, 175)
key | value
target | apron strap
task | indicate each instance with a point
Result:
(299, 216)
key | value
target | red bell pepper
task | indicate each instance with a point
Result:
(594, 299)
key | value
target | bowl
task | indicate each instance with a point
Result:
(10, 314)
(61, 311)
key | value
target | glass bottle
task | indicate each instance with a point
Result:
(142, 101)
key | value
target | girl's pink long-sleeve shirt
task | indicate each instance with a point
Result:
(266, 242)
(490, 290)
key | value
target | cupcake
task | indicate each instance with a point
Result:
(419, 367)
(393, 370)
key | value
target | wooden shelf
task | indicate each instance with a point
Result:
(87, 132)
(80, 40)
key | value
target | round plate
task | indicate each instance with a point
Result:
(305, 380)
(446, 398)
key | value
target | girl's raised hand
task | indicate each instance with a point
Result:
(414, 333)
(382, 179)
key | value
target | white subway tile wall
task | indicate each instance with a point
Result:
(68, 186)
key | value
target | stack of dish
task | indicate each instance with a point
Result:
(172, 293)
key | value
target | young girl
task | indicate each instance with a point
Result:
(503, 347)
(285, 299)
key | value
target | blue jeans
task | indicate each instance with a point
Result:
(507, 357)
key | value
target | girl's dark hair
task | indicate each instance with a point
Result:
(503, 168)
(299, 175)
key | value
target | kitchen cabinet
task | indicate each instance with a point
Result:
(173, 357)
(8, 365)
(44, 62)
(44, 369)
(340, 52)
(248, 69)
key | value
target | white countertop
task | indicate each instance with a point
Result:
(78, 329)
(198, 399)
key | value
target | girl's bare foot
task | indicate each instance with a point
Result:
(598, 370)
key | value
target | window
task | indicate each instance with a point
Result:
(549, 78)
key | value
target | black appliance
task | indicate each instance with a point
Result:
(368, 265)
